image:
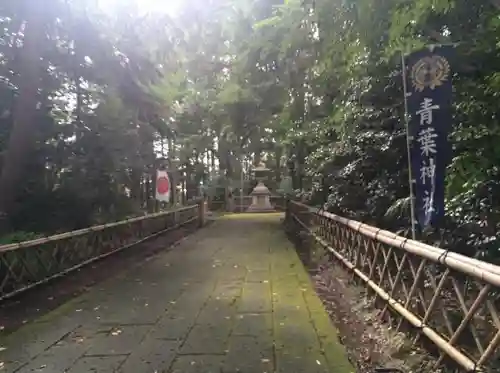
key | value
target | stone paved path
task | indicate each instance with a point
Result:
(233, 297)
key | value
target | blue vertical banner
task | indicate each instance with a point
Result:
(429, 97)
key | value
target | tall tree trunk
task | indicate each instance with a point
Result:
(324, 188)
(184, 188)
(170, 151)
(22, 138)
(300, 164)
(135, 187)
(147, 194)
(212, 160)
(291, 164)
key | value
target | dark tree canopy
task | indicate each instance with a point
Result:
(93, 101)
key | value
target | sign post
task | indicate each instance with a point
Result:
(428, 91)
(408, 145)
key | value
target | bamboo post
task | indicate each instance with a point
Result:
(408, 148)
(201, 212)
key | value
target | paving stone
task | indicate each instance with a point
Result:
(299, 362)
(230, 291)
(222, 313)
(120, 340)
(313, 302)
(256, 297)
(85, 334)
(288, 300)
(123, 314)
(296, 334)
(190, 303)
(198, 364)
(253, 324)
(249, 355)
(335, 354)
(20, 348)
(231, 274)
(173, 328)
(259, 275)
(203, 339)
(153, 355)
(322, 323)
(58, 358)
(97, 364)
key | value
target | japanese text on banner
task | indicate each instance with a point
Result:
(429, 106)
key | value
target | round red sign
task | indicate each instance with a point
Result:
(162, 185)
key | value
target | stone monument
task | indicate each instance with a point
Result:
(260, 194)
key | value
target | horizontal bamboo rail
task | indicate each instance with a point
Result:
(31, 263)
(450, 299)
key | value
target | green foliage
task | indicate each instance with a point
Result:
(338, 116)
(94, 133)
(313, 89)
(19, 236)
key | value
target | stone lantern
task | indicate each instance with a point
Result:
(260, 194)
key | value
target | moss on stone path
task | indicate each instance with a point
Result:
(234, 297)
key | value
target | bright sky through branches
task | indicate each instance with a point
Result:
(145, 6)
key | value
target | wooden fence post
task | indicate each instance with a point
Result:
(202, 211)
(288, 215)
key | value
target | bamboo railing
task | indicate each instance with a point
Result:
(449, 302)
(31, 263)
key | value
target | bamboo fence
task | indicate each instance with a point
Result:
(28, 264)
(449, 300)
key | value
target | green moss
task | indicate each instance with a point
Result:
(300, 309)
